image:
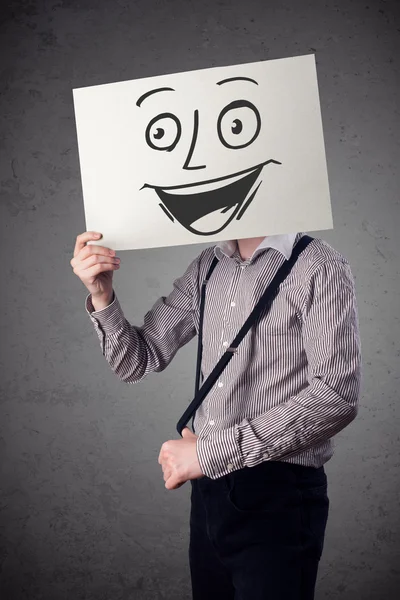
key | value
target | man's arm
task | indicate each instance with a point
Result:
(327, 405)
(131, 351)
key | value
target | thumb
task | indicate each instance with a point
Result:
(186, 432)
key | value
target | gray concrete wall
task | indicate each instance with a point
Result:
(84, 511)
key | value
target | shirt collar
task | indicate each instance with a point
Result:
(283, 243)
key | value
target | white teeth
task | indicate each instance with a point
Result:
(213, 220)
(206, 187)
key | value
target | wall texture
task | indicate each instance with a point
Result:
(83, 508)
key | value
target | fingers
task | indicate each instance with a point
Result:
(164, 462)
(82, 251)
(94, 253)
(173, 483)
(98, 250)
(167, 474)
(96, 259)
(186, 432)
(169, 485)
(163, 452)
(90, 274)
(172, 474)
(82, 238)
(89, 269)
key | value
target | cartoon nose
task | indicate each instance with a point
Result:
(187, 164)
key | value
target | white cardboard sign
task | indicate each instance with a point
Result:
(207, 155)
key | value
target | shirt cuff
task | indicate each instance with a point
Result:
(219, 452)
(111, 318)
(257, 450)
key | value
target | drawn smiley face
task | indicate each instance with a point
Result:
(206, 207)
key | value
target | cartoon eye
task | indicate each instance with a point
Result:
(239, 124)
(163, 132)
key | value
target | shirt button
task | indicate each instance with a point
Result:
(229, 466)
(220, 384)
(266, 455)
(233, 303)
(212, 422)
(225, 344)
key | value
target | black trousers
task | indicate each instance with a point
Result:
(258, 533)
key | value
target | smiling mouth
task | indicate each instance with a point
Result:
(207, 207)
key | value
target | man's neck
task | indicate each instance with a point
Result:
(247, 246)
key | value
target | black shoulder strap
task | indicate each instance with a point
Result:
(264, 303)
(200, 336)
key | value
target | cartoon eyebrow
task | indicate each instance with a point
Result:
(144, 96)
(236, 79)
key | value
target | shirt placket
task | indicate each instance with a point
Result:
(226, 331)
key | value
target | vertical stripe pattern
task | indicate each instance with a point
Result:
(294, 382)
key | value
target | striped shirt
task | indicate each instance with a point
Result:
(295, 380)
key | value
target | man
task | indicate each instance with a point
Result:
(259, 503)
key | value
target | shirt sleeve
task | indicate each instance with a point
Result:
(325, 406)
(132, 351)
